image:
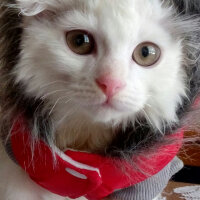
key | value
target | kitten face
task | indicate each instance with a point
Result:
(70, 82)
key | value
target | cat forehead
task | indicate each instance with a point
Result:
(118, 20)
(125, 7)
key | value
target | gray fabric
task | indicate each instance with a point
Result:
(152, 187)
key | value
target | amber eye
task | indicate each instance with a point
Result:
(146, 54)
(80, 42)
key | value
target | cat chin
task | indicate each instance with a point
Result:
(107, 114)
(107, 119)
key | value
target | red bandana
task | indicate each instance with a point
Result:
(74, 174)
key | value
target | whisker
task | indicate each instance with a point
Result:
(147, 116)
(148, 105)
(69, 112)
(57, 103)
(53, 92)
(51, 83)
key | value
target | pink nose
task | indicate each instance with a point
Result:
(110, 86)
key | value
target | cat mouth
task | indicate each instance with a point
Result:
(107, 103)
(114, 105)
(104, 105)
(109, 107)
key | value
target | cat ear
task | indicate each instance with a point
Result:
(31, 7)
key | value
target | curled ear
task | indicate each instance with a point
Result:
(31, 7)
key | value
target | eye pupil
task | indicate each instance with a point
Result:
(145, 51)
(81, 39)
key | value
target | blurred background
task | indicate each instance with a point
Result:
(187, 181)
(190, 154)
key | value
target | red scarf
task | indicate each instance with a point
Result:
(74, 174)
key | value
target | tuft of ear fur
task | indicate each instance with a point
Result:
(31, 7)
(35, 7)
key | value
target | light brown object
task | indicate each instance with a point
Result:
(190, 153)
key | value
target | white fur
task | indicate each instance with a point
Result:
(51, 71)
(16, 185)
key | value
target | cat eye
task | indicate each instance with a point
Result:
(146, 54)
(80, 42)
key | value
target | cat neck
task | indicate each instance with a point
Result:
(81, 133)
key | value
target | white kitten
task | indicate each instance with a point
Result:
(88, 67)
(72, 83)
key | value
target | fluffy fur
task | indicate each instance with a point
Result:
(55, 89)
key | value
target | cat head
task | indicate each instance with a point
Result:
(110, 61)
